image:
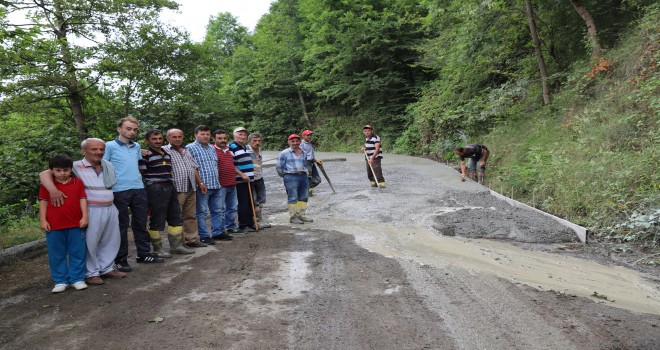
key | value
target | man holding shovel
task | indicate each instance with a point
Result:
(307, 147)
(374, 154)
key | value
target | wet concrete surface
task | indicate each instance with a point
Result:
(426, 263)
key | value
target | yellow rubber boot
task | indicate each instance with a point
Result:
(174, 235)
(382, 184)
(293, 214)
(157, 243)
(302, 209)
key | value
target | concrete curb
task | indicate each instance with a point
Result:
(580, 231)
(22, 251)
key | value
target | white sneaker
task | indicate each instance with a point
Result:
(80, 285)
(59, 288)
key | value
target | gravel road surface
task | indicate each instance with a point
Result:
(428, 262)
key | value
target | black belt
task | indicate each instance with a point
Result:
(299, 173)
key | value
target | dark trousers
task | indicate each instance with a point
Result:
(163, 206)
(259, 191)
(245, 216)
(377, 169)
(314, 177)
(136, 200)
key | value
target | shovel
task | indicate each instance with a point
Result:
(326, 176)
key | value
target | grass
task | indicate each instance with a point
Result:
(20, 231)
(592, 156)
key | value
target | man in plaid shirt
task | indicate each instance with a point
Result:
(186, 178)
(208, 196)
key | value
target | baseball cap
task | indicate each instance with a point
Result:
(307, 132)
(240, 129)
(293, 136)
(368, 127)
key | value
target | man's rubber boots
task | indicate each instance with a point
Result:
(293, 214)
(302, 209)
(381, 184)
(157, 243)
(262, 224)
(175, 235)
(373, 184)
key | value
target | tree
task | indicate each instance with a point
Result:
(592, 34)
(529, 11)
(66, 47)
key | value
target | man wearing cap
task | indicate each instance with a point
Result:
(306, 146)
(291, 167)
(244, 174)
(374, 155)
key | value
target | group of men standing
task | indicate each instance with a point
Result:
(180, 186)
(172, 184)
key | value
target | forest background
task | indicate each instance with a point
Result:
(564, 93)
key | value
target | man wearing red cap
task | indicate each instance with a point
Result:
(291, 167)
(306, 146)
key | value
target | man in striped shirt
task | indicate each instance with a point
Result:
(102, 234)
(291, 166)
(244, 174)
(156, 169)
(374, 154)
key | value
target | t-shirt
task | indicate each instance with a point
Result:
(157, 167)
(257, 161)
(124, 157)
(242, 161)
(473, 151)
(226, 167)
(370, 146)
(97, 194)
(69, 214)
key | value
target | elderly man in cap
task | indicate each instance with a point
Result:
(291, 167)
(244, 175)
(307, 147)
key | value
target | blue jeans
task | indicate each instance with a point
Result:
(228, 197)
(67, 242)
(210, 201)
(297, 187)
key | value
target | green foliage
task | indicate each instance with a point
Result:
(26, 145)
(19, 230)
(592, 156)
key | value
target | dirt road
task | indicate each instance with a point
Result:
(405, 267)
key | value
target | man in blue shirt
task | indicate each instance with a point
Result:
(124, 154)
(208, 195)
(291, 165)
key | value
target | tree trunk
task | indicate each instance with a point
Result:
(537, 49)
(591, 26)
(304, 108)
(71, 81)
